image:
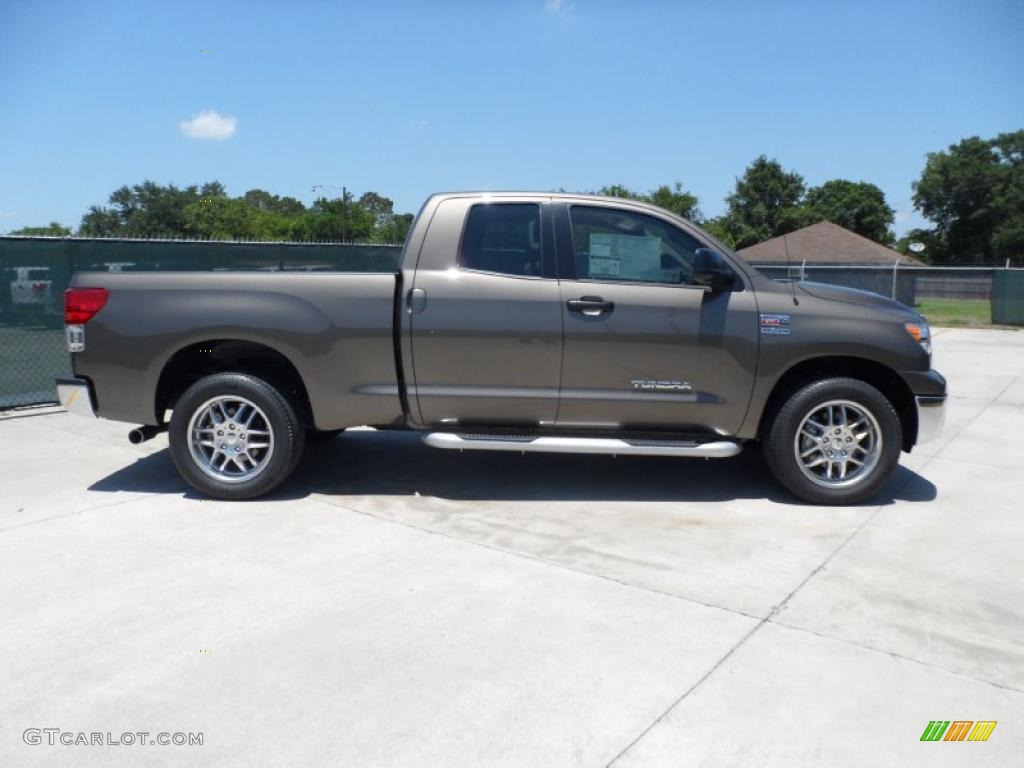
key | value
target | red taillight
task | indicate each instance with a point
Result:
(80, 304)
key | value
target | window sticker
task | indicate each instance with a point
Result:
(630, 257)
(604, 267)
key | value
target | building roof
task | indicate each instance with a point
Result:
(824, 243)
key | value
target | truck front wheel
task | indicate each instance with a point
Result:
(834, 441)
(234, 436)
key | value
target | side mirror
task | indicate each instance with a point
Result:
(711, 270)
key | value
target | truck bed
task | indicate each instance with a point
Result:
(336, 329)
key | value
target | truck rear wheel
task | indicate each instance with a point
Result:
(233, 436)
(834, 441)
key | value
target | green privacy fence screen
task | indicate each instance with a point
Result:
(1008, 297)
(35, 271)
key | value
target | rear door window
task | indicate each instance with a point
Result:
(504, 238)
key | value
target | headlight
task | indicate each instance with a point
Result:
(921, 334)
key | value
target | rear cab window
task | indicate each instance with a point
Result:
(503, 238)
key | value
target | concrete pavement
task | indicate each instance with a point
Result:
(397, 605)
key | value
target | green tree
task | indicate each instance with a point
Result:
(208, 212)
(618, 190)
(211, 189)
(220, 218)
(974, 194)
(53, 229)
(376, 204)
(100, 222)
(146, 210)
(718, 227)
(672, 198)
(337, 219)
(856, 205)
(262, 200)
(677, 200)
(766, 203)
(393, 229)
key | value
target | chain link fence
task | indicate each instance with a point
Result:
(35, 271)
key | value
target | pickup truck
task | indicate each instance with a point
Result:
(523, 322)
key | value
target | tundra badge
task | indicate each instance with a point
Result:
(656, 385)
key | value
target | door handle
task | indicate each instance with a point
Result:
(417, 301)
(591, 306)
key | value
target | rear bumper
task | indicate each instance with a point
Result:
(75, 396)
(931, 416)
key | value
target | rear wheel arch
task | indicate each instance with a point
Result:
(883, 378)
(199, 359)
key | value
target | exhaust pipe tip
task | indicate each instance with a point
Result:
(144, 433)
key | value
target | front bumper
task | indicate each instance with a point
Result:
(75, 396)
(931, 416)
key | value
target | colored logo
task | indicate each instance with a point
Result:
(958, 730)
(775, 325)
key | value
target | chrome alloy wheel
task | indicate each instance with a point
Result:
(838, 444)
(230, 439)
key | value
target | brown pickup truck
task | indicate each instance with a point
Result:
(515, 322)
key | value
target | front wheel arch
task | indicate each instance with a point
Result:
(883, 378)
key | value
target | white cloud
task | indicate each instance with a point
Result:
(209, 125)
(558, 7)
(418, 125)
(8, 214)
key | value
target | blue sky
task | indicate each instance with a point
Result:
(411, 98)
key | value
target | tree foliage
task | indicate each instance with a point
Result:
(206, 212)
(264, 201)
(766, 203)
(672, 198)
(718, 227)
(974, 194)
(769, 201)
(53, 229)
(677, 200)
(856, 205)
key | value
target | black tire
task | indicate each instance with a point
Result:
(287, 432)
(779, 441)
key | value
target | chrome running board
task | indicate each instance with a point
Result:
(719, 449)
